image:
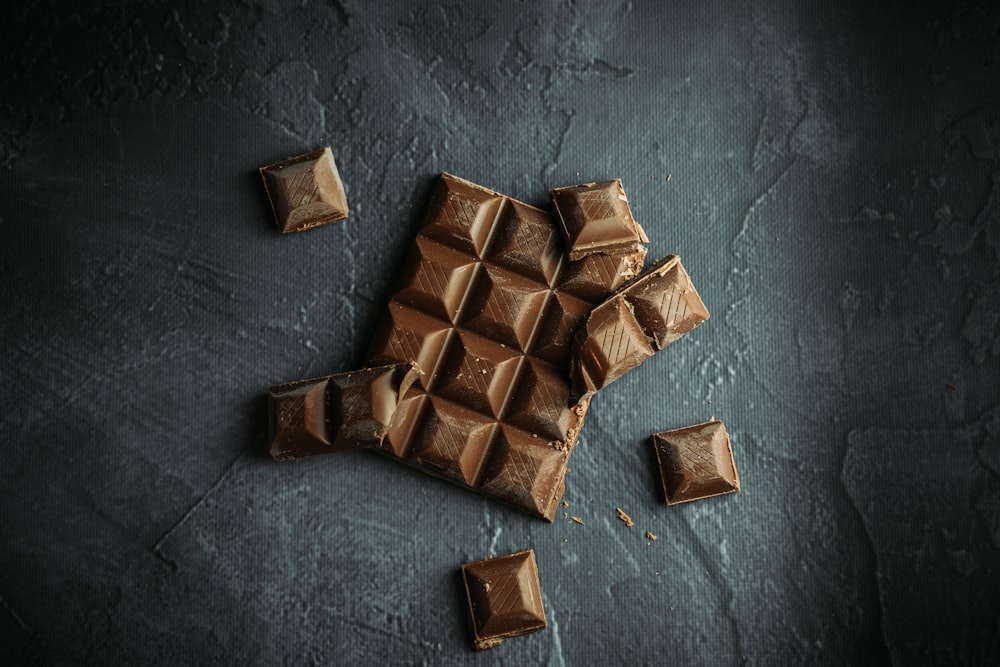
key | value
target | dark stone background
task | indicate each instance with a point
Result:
(830, 175)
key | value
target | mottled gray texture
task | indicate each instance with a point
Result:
(830, 176)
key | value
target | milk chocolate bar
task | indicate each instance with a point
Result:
(696, 462)
(336, 412)
(595, 217)
(645, 316)
(487, 306)
(305, 191)
(504, 596)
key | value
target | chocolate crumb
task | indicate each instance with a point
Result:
(951, 386)
(624, 517)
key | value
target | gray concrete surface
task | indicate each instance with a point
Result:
(830, 175)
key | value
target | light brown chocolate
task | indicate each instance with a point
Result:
(696, 462)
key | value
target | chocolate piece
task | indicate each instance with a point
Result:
(696, 462)
(336, 412)
(645, 316)
(596, 218)
(614, 344)
(305, 191)
(504, 597)
(487, 305)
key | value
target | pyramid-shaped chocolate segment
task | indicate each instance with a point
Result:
(642, 318)
(305, 191)
(696, 462)
(335, 412)
(504, 596)
(596, 218)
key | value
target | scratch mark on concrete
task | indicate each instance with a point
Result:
(17, 617)
(170, 563)
(556, 658)
(758, 201)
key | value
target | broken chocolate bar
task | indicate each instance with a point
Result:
(505, 599)
(696, 462)
(336, 412)
(487, 305)
(645, 316)
(596, 217)
(305, 191)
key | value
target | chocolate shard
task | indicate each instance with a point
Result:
(613, 345)
(642, 318)
(305, 191)
(665, 302)
(336, 412)
(696, 462)
(596, 218)
(487, 304)
(504, 596)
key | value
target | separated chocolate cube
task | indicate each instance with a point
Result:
(305, 191)
(505, 599)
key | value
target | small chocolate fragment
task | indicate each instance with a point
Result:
(696, 462)
(505, 599)
(336, 412)
(642, 318)
(596, 218)
(305, 191)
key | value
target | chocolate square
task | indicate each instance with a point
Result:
(596, 218)
(505, 599)
(305, 191)
(696, 462)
